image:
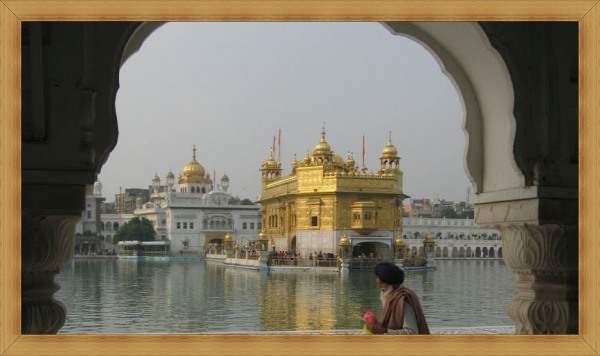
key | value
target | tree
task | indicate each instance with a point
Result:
(448, 213)
(139, 229)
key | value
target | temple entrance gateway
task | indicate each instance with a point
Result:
(372, 250)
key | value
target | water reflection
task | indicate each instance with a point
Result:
(134, 297)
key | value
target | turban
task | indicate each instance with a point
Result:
(389, 273)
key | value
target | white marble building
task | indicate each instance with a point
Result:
(454, 238)
(195, 212)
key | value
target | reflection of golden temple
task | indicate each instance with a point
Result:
(324, 194)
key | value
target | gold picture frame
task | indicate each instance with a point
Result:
(13, 12)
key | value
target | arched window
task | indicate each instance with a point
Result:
(203, 190)
(243, 226)
(115, 226)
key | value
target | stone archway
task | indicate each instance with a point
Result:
(377, 250)
(454, 252)
(521, 161)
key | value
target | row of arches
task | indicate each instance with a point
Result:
(461, 252)
(218, 223)
(454, 236)
(468, 252)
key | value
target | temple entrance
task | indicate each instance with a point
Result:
(372, 250)
(214, 246)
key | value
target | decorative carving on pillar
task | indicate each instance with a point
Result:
(47, 244)
(544, 258)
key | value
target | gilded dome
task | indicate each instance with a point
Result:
(400, 242)
(192, 172)
(389, 151)
(344, 241)
(428, 237)
(322, 148)
(262, 236)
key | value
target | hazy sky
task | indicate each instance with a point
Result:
(228, 88)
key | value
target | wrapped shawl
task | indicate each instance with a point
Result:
(393, 312)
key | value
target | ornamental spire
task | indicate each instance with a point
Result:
(194, 153)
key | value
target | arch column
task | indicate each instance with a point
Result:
(63, 148)
(544, 258)
(538, 216)
(48, 241)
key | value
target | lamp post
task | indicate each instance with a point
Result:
(262, 246)
(428, 247)
(400, 247)
(228, 244)
(345, 253)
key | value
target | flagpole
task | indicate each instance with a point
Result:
(363, 153)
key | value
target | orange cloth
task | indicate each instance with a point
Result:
(393, 312)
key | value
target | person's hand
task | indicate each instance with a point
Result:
(369, 318)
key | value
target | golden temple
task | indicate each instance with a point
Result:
(326, 196)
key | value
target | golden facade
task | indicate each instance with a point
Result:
(326, 195)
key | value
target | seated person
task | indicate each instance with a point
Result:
(402, 312)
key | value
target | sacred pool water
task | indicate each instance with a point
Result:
(115, 296)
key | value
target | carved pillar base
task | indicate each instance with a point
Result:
(544, 258)
(47, 244)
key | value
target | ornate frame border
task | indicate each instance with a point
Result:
(13, 12)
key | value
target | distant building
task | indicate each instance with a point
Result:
(196, 213)
(108, 208)
(420, 208)
(454, 238)
(125, 202)
(89, 238)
